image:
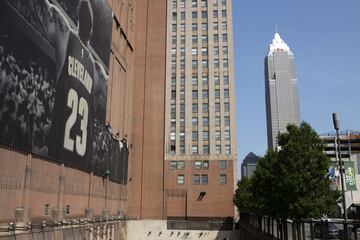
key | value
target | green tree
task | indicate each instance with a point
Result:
(243, 198)
(292, 182)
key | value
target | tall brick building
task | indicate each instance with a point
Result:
(35, 188)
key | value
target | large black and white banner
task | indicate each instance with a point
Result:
(54, 60)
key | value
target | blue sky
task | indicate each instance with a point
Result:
(324, 36)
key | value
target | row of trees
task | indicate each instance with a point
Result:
(291, 182)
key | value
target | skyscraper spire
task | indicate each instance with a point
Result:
(282, 98)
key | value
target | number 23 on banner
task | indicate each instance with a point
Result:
(78, 107)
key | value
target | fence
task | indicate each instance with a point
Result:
(305, 229)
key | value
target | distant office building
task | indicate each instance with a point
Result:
(281, 90)
(349, 145)
(248, 165)
(200, 132)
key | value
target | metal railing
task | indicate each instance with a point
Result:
(304, 229)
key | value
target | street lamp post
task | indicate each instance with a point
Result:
(337, 127)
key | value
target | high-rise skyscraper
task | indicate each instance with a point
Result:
(281, 90)
(200, 135)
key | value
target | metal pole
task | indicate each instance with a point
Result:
(337, 127)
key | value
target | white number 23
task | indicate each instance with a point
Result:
(83, 110)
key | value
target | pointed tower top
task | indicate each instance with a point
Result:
(278, 44)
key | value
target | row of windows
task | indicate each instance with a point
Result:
(205, 108)
(201, 179)
(206, 150)
(194, 15)
(194, 3)
(195, 150)
(204, 64)
(194, 81)
(198, 164)
(205, 123)
(203, 27)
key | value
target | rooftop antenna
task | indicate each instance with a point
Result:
(276, 28)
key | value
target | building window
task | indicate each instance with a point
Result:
(205, 136)
(217, 107)
(173, 81)
(226, 93)
(182, 27)
(223, 13)
(203, 3)
(197, 164)
(194, 15)
(227, 134)
(227, 121)
(194, 149)
(215, 14)
(194, 135)
(215, 26)
(182, 149)
(182, 3)
(204, 51)
(204, 63)
(182, 39)
(182, 94)
(194, 64)
(216, 63)
(182, 15)
(182, 64)
(181, 179)
(224, 38)
(225, 50)
(215, 3)
(182, 122)
(194, 27)
(196, 179)
(218, 149)
(182, 51)
(173, 39)
(226, 107)
(226, 80)
(180, 164)
(194, 80)
(217, 121)
(194, 3)
(204, 179)
(194, 121)
(204, 14)
(174, 28)
(216, 50)
(216, 38)
(205, 121)
(173, 107)
(227, 149)
(194, 51)
(205, 80)
(206, 164)
(205, 94)
(173, 165)
(206, 149)
(222, 164)
(182, 107)
(205, 108)
(194, 108)
(224, 25)
(194, 94)
(225, 63)
(194, 39)
(173, 64)
(174, 4)
(223, 2)
(204, 26)
(217, 93)
(218, 135)
(223, 179)
(204, 39)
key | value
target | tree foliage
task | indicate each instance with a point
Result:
(291, 182)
